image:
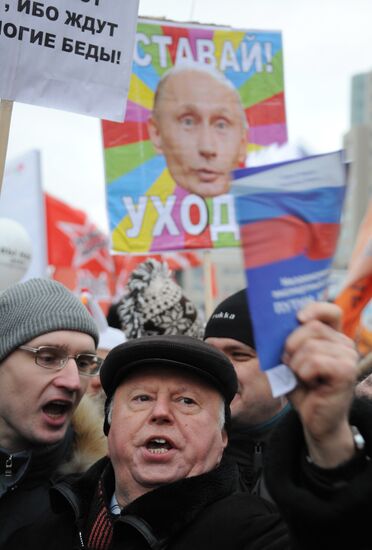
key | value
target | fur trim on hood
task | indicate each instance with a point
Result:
(89, 441)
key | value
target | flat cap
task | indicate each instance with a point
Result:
(179, 352)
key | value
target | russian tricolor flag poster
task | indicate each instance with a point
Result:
(289, 218)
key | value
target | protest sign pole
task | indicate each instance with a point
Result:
(208, 298)
(6, 107)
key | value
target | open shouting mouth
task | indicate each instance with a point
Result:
(158, 445)
(57, 409)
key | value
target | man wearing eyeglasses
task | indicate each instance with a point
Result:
(48, 345)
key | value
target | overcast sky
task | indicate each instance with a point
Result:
(325, 42)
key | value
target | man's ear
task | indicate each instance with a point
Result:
(225, 441)
(225, 438)
(154, 134)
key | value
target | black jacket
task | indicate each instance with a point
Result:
(25, 481)
(324, 509)
(247, 448)
(24, 492)
(198, 513)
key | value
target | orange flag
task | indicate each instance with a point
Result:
(357, 290)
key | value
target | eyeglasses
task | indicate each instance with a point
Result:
(52, 358)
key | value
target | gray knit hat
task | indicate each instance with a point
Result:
(36, 307)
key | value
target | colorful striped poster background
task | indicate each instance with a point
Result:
(251, 60)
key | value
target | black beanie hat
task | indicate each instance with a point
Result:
(231, 319)
(179, 353)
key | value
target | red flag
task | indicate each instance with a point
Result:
(78, 252)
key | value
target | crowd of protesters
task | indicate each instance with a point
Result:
(190, 449)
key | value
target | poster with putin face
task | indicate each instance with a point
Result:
(201, 98)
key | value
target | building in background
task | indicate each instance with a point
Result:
(358, 149)
(361, 99)
(227, 276)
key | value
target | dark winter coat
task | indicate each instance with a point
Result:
(198, 513)
(26, 477)
(25, 480)
(247, 448)
(324, 509)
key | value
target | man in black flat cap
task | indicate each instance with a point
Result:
(164, 484)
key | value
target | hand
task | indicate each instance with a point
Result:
(325, 363)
